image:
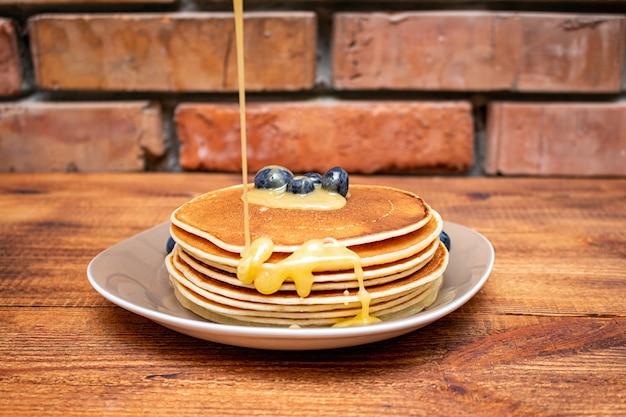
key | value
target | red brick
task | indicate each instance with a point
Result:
(362, 137)
(580, 139)
(479, 51)
(10, 66)
(111, 136)
(173, 52)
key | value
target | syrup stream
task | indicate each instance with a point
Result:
(238, 9)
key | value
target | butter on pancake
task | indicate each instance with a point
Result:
(393, 264)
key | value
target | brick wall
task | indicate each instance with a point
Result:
(456, 87)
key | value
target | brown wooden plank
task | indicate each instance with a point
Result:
(545, 336)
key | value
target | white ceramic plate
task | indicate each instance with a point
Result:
(132, 275)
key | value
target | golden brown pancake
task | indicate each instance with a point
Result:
(372, 253)
(429, 272)
(216, 313)
(323, 280)
(372, 213)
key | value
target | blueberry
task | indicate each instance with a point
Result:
(336, 179)
(315, 177)
(272, 177)
(170, 244)
(445, 239)
(301, 185)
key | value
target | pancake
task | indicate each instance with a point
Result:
(374, 213)
(374, 253)
(413, 304)
(185, 274)
(389, 259)
(328, 280)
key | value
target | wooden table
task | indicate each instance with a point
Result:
(545, 335)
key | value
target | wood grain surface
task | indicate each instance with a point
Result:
(545, 336)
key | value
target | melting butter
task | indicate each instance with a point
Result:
(319, 199)
(314, 255)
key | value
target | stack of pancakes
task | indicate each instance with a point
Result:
(395, 234)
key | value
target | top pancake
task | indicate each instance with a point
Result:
(371, 213)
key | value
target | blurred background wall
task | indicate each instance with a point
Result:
(440, 87)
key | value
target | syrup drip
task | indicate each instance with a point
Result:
(241, 84)
(313, 255)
